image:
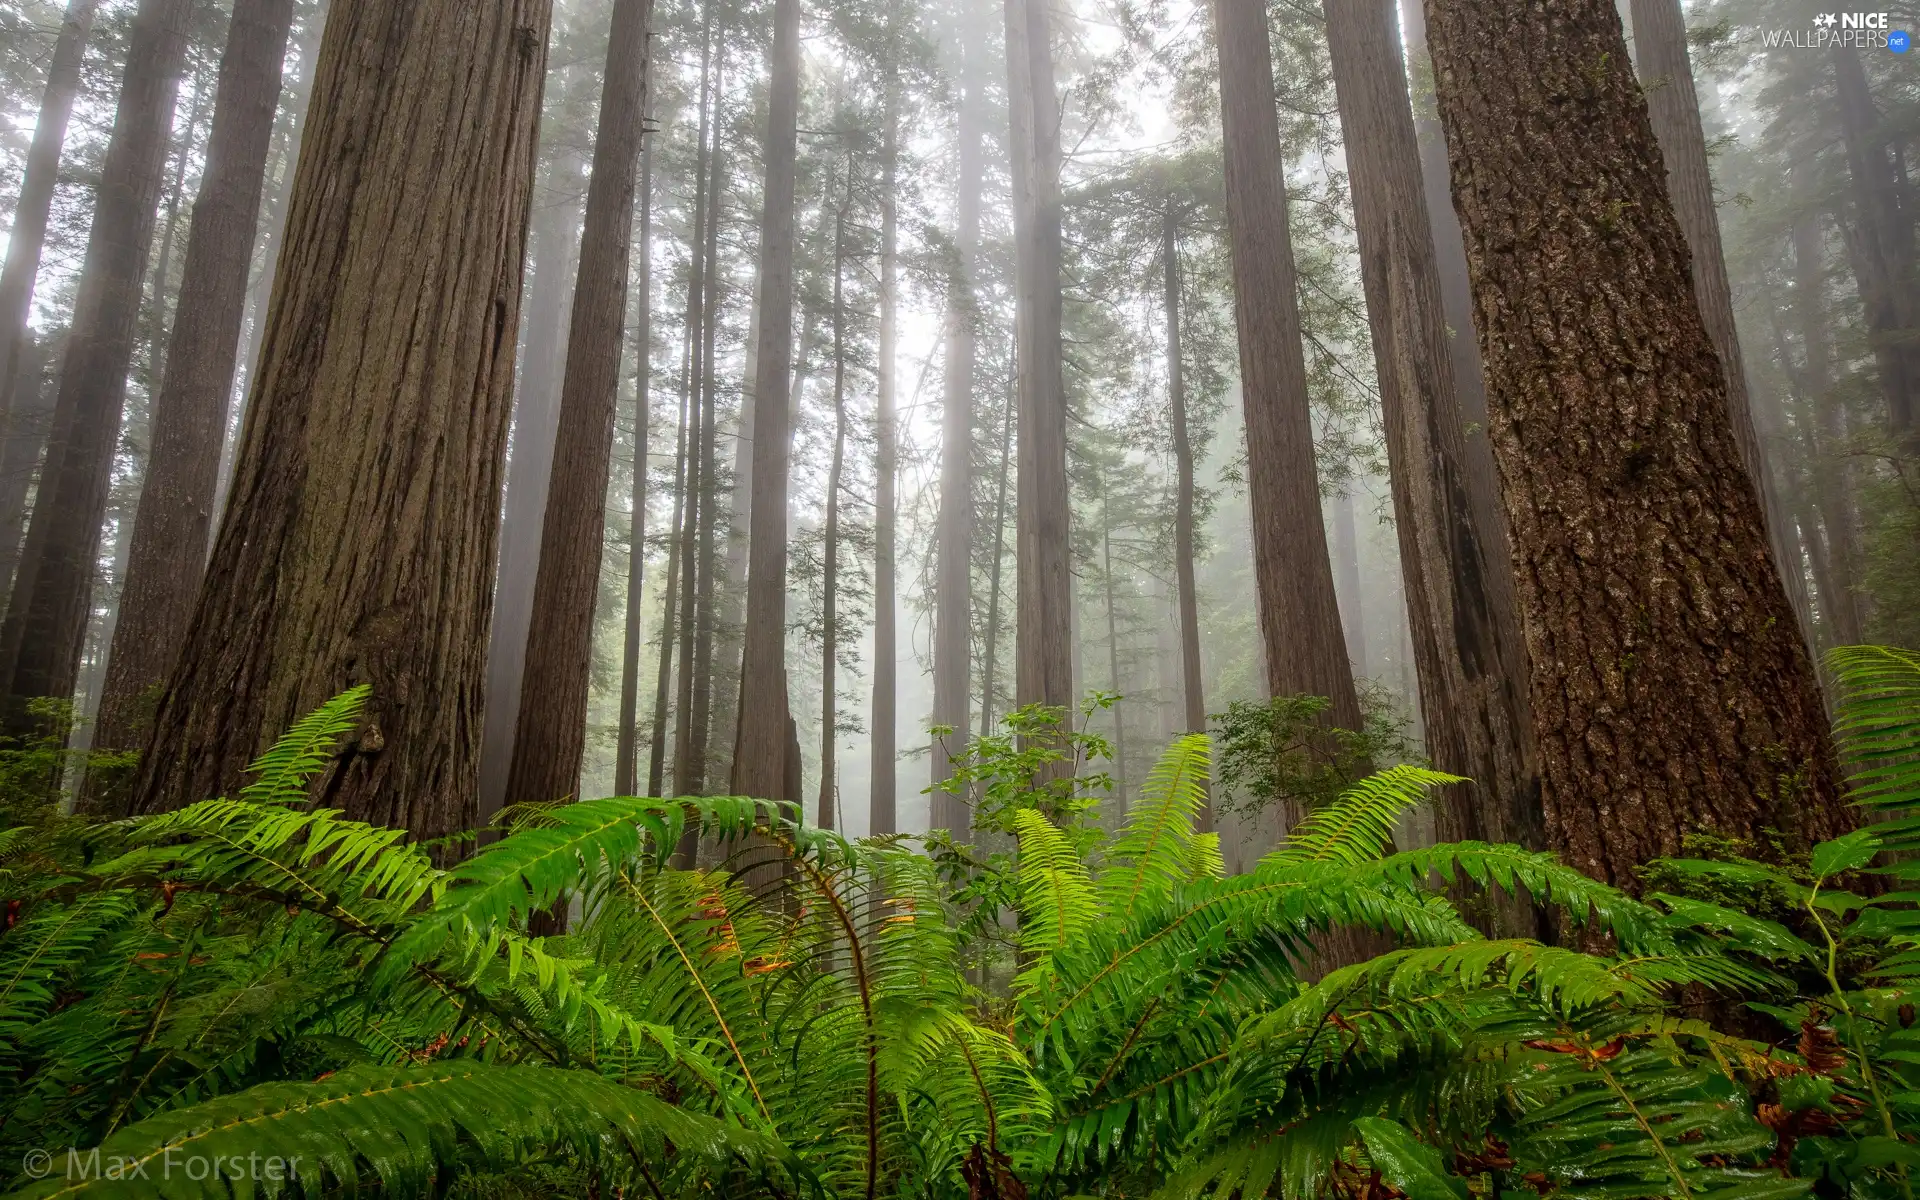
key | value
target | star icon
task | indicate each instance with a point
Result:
(1826, 20)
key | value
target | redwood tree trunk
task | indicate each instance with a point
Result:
(46, 624)
(1193, 696)
(953, 585)
(1468, 654)
(1299, 613)
(189, 418)
(882, 801)
(1666, 72)
(830, 537)
(358, 546)
(761, 759)
(1043, 672)
(550, 737)
(28, 235)
(627, 749)
(1671, 690)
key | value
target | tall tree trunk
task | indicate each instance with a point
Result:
(1043, 672)
(1882, 249)
(1346, 558)
(627, 748)
(47, 613)
(686, 751)
(1666, 73)
(761, 759)
(1193, 697)
(154, 318)
(989, 681)
(550, 738)
(556, 248)
(1113, 658)
(883, 798)
(28, 236)
(25, 436)
(731, 611)
(1299, 613)
(953, 584)
(669, 604)
(1828, 464)
(1467, 649)
(830, 544)
(189, 417)
(707, 598)
(1671, 690)
(359, 543)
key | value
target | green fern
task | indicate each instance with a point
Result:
(283, 772)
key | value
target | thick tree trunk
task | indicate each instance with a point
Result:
(1467, 650)
(359, 543)
(28, 235)
(953, 585)
(1882, 249)
(189, 418)
(761, 759)
(550, 737)
(627, 749)
(1043, 671)
(1193, 696)
(1671, 689)
(47, 613)
(1299, 613)
(882, 798)
(1666, 74)
(556, 248)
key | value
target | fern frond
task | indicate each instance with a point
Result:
(404, 1127)
(1155, 850)
(283, 772)
(1878, 723)
(1358, 826)
(1057, 901)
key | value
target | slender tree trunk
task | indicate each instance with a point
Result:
(556, 247)
(25, 437)
(1043, 625)
(1299, 613)
(189, 418)
(953, 585)
(883, 796)
(730, 617)
(989, 667)
(1828, 464)
(1193, 697)
(1882, 249)
(1469, 659)
(627, 750)
(762, 759)
(1113, 659)
(160, 280)
(707, 598)
(1671, 689)
(28, 236)
(830, 545)
(669, 605)
(1346, 558)
(47, 613)
(550, 739)
(686, 751)
(359, 543)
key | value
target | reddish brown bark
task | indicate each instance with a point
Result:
(1671, 691)
(358, 545)
(550, 736)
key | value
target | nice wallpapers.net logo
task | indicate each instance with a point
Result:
(1844, 30)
